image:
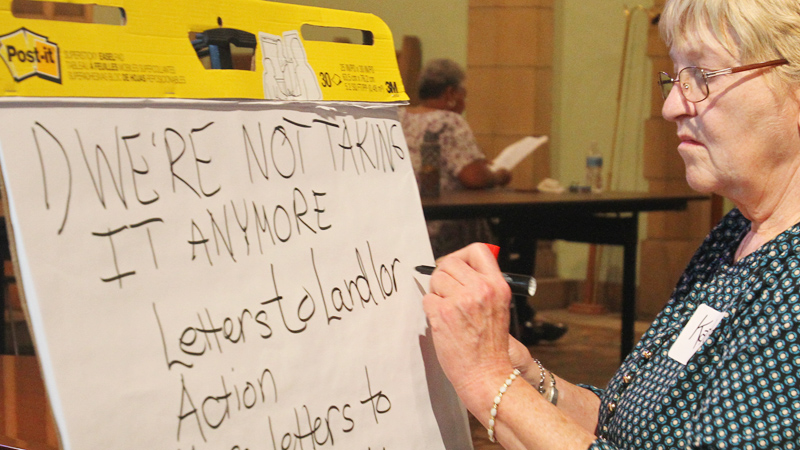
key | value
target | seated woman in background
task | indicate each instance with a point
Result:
(462, 165)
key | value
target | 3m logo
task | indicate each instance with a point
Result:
(28, 54)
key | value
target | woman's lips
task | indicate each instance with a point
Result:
(689, 140)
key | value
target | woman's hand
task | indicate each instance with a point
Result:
(502, 177)
(468, 311)
(478, 175)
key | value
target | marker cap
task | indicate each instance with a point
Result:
(494, 249)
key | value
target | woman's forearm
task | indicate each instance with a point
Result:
(579, 404)
(525, 420)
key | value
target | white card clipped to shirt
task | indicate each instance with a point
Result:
(704, 321)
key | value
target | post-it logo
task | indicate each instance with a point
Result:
(28, 54)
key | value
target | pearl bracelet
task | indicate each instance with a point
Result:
(497, 399)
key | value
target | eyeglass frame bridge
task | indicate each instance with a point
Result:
(707, 75)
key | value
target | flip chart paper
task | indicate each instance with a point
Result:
(222, 275)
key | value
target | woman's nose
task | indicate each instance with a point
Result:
(675, 105)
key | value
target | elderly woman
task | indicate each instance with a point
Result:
(720, 365)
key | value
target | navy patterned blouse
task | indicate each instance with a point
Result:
(736, 327)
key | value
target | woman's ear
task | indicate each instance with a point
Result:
(449, 96)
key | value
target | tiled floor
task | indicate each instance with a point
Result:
(588, 353)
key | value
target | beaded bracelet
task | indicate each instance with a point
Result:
(497, 399)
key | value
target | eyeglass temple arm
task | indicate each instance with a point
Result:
(775, 62)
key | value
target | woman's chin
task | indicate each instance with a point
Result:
(700, 183)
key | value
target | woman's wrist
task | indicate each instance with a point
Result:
(530, 372)
(478, 396)
(542, 379)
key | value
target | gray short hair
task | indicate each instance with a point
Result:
(437, 76)
(753, 31)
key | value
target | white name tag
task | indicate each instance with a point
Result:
(697, 330)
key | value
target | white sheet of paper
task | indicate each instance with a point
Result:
(516, 152)
(216, 275)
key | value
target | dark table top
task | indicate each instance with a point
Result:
(486, 203)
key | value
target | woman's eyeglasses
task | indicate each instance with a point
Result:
(693, 81)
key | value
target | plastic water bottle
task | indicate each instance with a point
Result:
(429, 171)
(594, 169)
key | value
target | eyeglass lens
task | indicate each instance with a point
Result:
(665, 82)
(692, 84)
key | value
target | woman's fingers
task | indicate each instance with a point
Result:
(468, 311)
(473, 269)
(478, 256)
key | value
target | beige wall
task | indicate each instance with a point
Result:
(588, 62)
(589, 44)
(510, 79)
